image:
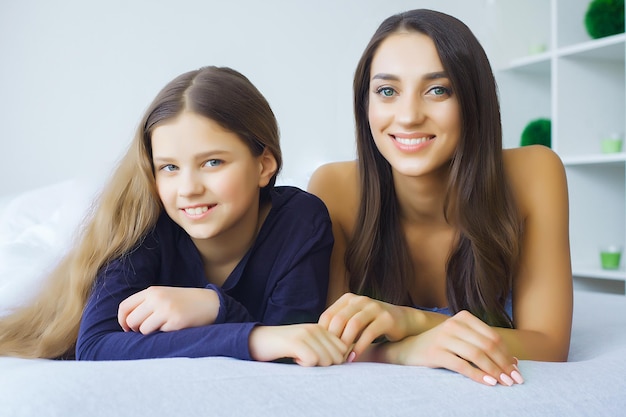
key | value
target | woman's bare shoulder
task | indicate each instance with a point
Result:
(536, 174)
(337, 184)
(335, 180)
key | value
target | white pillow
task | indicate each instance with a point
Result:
(36, 229)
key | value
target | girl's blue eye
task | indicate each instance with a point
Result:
(169, 168)
(213, 162)
(386, 91)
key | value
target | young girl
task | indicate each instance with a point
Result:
(456, 251)
(191, 250)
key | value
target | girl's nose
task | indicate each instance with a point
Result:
(190, 184)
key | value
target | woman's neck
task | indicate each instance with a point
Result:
(421, 199)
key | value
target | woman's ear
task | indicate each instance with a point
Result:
(267, 167)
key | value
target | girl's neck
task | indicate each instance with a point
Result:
(220, 255)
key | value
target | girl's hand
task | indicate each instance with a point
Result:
(360, 320)
(308, 344)
(464, 344)
(167, 309)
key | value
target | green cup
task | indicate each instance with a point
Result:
(610, 257)
(612, 144)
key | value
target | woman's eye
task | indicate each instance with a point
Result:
(213, 162)
(439, 91)
(386, 91)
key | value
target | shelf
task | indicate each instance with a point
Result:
(611, 48)
(580, 84)
(539, 63)
(594, 159)
(599, 273)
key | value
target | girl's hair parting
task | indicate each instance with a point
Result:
(129, 206)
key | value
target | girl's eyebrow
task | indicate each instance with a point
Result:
(429, 76)
(203, 155)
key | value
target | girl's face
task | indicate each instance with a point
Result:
(207, 178)
(413, 113)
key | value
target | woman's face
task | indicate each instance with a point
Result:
(413, 113)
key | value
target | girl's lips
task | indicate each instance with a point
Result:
(197, 211)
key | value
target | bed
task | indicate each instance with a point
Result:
(592, 383)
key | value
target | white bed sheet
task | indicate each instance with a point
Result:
(592, 383)
(36, 228)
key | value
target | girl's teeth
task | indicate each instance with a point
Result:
(196, 210)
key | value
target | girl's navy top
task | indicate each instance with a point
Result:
(282, 279)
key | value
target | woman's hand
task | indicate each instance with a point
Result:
(308, 344)
(167, 309)
(464, 344)
(360, 320)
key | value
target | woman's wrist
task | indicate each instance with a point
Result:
(416, 321)
(376, 352)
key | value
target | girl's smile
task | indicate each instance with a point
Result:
(207, 178)
(198, 212)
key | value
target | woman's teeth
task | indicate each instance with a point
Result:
(413, 141)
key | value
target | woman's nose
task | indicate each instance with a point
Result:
(410, 110)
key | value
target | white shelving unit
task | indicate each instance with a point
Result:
(579, 84)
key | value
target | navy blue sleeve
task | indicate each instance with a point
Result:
(282, 280)
(102, 338)
(298, 274)
(299, 295)
(285, 279)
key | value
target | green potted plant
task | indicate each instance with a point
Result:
(537, 132)
(605, 18)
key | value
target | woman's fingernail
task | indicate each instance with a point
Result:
(517, 377)
(490, 380)
(506, 379)
(516, 360)
(351, 357)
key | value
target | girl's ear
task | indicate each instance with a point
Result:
(267, 167)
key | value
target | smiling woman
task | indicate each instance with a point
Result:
(191, 250)
(446, 246)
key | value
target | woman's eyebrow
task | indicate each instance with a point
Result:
(429, 76)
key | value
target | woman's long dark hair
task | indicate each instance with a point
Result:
(480, 270)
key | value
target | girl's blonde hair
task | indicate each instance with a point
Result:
(129, 206)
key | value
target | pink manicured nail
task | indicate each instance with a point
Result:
(506, 379)
(517, 377)
(351, 357)
(490, 380)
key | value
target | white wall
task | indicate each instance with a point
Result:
(76, 75)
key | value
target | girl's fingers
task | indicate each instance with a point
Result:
(319, 348)
(153, 323)
(135, 318)
(126, 308)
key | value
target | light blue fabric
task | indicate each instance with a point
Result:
(592, 383)
(508, 306)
